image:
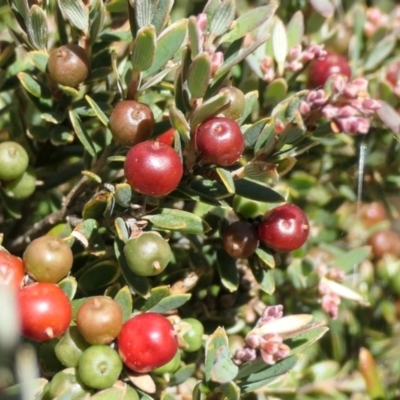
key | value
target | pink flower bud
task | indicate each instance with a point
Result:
(294, 52)
(330, 111)
(201, 20)
(346, 112)
(304, 108)
(338, 83)
(370, 104)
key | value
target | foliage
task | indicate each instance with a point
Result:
(322, 320)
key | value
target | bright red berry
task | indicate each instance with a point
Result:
(219, 141)
(153, 168)
(45, 311)
(323, 68)
(167, 137)
(11, 271)
(284, 228)
(146, 342)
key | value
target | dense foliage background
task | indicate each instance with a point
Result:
(331, 150)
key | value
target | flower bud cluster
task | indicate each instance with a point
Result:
(269, 346)
(217, 57)
(296, 60)
(349, 107)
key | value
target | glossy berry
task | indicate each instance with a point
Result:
(237, 101)
(193, 338)
(240, 239)
(69, 65)
(385, 242)
(148, 254)
(167, 137)
(131, 122)
(219, 141)
(153, 168)
(48, 259)
(99, 366)
(284, 228)
(45, 311)
(323, 68)
(99, 320)
(66, 381)
(23, 186)
(13, 160)
(12, 271)
(146, 342)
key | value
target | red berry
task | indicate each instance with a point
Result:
(167, 137)
(284, 228)
(385, 242)
(45, 311)
(219, 141)
(11, 271)
(153, 168)
(323, 68)
(146, 342)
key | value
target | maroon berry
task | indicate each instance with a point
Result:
(240, 239)
(153, 168)
(323, 68)
(284, 228)
(385, 242)
(69, 65)
(219, 141)
(131, 122)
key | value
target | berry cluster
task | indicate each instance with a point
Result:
(284, 228)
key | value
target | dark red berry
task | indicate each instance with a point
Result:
(240, 239)
(284, 228)
(323, 68)
(153, 168)
(219, 141)
(131, 122)
(385, 242)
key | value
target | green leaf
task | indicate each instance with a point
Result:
(168, 44)
(76, 12)
(178, 121)
(99, 275)
(257, 191)
(209, 108)
(81, 132)
(227, 270)
(230, 390)
(265, 279)
(380, 52)
(350, 260)
(295, 29)
(194, 36)
(227, 180)
(69, 286)
(251, 101)
(96, 19)
(33, 86)
(144, 11)
(182, 375)
(178, 220)
(300, 342)
(144, 48)
(276, 91)
(36, 25)
(258, 374)
(253, 132)
(117, 6)
(265, 257)
(171, 303)
(248, 22)
(222, 17)
(97, 110)
(39, 58)
(199, 75)
(155, 296)
(279, 44)
(139, 284)
(219, 366)
(124, 299)
(161, 14)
